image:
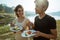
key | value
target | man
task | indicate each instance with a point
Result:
(44, 24)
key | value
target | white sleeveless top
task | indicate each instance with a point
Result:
(21, 24)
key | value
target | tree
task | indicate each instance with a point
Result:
(1, 8)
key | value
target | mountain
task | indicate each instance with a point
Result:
(29, 13)
(55, 13)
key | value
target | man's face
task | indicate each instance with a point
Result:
(40, 6)
(38, 9)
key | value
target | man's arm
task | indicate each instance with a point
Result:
(53, 34)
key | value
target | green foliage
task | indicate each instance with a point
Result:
(1, 7)
(5, 19)
(4, 29)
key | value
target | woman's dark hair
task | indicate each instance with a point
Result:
(16, 9)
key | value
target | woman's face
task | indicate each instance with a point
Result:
(20, 12)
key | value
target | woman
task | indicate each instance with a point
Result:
(20, 21)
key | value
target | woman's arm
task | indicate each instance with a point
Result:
(12, 24)
(29, 24)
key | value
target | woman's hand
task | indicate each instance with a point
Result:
(12, 24)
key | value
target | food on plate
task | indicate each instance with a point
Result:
(26, 34)
(29, 32)
(16, 28)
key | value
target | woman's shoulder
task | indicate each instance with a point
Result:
(27, 20)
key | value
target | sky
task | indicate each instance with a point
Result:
(54, 5)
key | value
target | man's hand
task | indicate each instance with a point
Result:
(53, 34)
(37, 33)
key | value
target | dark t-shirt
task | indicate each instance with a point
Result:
(44, 25)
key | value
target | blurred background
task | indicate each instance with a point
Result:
(7, 15)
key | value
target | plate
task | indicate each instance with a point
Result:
(28, 33)
(13, 29)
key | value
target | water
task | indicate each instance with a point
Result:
(32, 17)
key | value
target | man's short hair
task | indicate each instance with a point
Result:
(42, 4)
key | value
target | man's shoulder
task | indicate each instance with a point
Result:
(36, 16)
(50, 17)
